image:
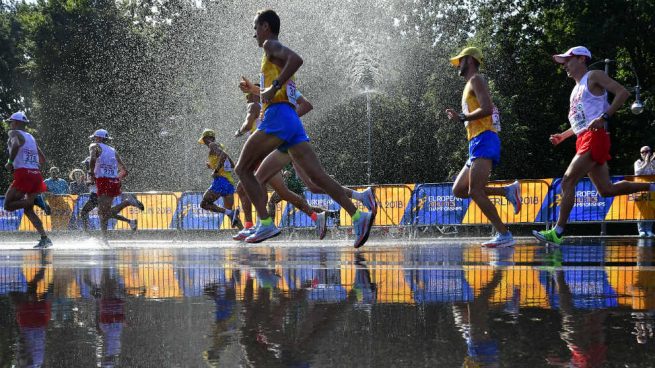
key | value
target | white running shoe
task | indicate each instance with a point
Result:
(369, 200)
(513, 195)
(262, 233)
(362, 228)
(500, 241)
(244, 233)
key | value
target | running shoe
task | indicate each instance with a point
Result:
(649, 234)
(369, 200)
(548, 236)
(262, 233)
(243, 234)
(40, 202)
(321, 225)
(500, 241)
(643, 234)
(362, 228)
(133, 224)
(131, 199)
(234, 218)
(43, 243)
(513, 195)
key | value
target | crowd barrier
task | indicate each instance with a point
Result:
(399, 205)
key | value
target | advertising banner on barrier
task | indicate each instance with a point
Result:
(9, 220)
(192, 217)
(636, 206)
(589, 204)
(62, 207)
(434, 204)
(157, 213)
(534, 199)
(392, 203)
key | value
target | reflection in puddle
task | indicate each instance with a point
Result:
(582, 305)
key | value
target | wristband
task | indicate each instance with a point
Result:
(605, 116)
(462, 117)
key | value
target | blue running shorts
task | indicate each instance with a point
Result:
(281, 120)
(222, 186)
(484, 145)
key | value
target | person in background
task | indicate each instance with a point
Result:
(54, 183)
(645, 166)
(77, 183)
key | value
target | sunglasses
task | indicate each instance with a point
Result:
(645, 151)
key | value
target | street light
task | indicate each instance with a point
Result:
(369, 161)
(637, 107)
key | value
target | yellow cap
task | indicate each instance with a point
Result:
(474, 52)
(206, 133)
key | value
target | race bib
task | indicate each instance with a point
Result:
(495, 119)
(30, 157)
(291, 92)
(108, 170)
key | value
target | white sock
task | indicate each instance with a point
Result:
(559, 230)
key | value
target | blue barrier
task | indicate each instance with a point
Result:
(435, 204)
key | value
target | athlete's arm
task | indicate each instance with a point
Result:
(253, 112)
(558, 138)
(94, 152)
(122, 169)
(599, 81)
(222, 156)
(303, 106)
(42, 158)
(481, 91)
(288, 61)
(15, 144)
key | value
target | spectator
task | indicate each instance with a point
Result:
(77, 184)
(645, 166)
(55, 184)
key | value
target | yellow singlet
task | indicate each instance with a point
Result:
(226, 170)
(476, 127)
(269, 73)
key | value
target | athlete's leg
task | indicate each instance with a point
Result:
(34, 219)
(272, 203)
(207, 202)
(257, 147)
(246, 205)
(88, 207)
(478, 178)
(578, 168)
(277, 183)
(15, 200)
(461, 186)
(272, 165)
(600, 176)
(104, 211)
(305, 158)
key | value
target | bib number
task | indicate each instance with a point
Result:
(291, 92)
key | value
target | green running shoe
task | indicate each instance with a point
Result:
(548, 236)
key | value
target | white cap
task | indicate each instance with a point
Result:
(19, 116)
(573, 51)
(100, 133)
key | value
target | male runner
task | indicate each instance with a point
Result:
(589, 113)
(282, 128)
(92, 202)
(481, 120)
(25, 159)
(106, 169)
(223, 184)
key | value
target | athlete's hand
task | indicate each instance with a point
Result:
(598, 123)
(238, 133)
(246, 86)
(556, 138)
(268, 94)
(9, 167)
(208, 165)
(452, 114)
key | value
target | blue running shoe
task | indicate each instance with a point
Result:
(262, 233)
(362, 228)
(369, 200)
(321, 225)
(500, 241)
(43, 243)
(40, 202)
(513, 195)
(234, 219)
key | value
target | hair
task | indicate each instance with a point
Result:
(71, 176)
(270, 17)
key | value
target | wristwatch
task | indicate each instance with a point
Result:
(276, 84)
(462, 117)
(605, 116)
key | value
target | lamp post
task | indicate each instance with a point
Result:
(369, 159)
(637, 107)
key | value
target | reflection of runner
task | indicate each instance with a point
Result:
(281, 128)
(223, 184)
(480, 117)
(92, 202)
(25, 158)
(589, 113)
(111, 316)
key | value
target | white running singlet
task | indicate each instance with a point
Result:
(585, 106)
(28, 153)
(106, 163)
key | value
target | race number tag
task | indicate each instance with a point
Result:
(495, 119)
(108, 171)
(30, 157)
(577, 117)
(291, 92)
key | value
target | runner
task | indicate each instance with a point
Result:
(25, 159)
(127, 200)
(281, 128)
(589, 113)
(482, 122)
(106, 169)
(223, 184)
